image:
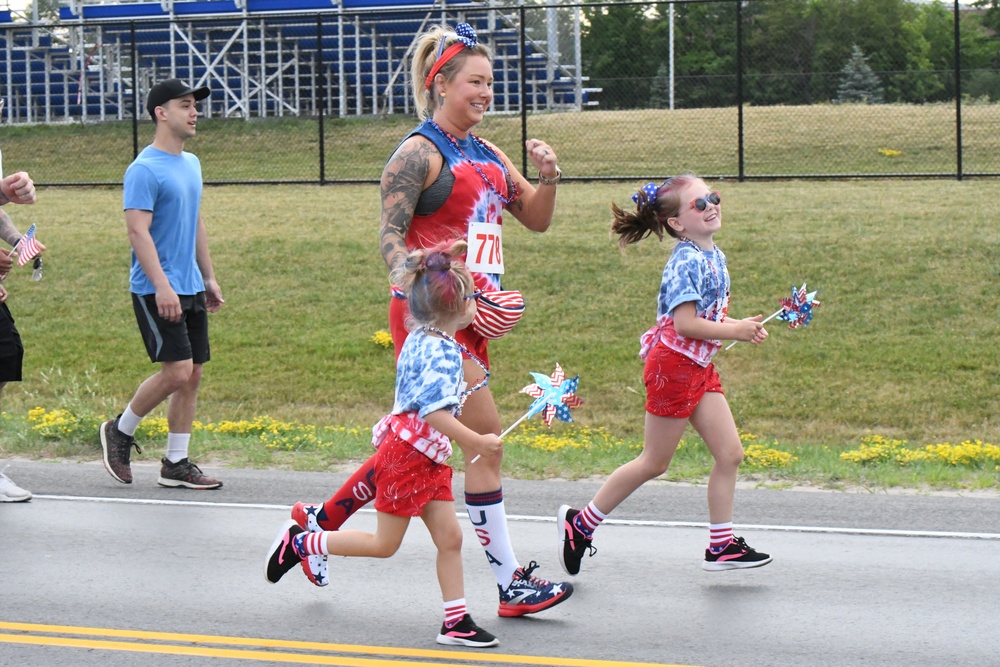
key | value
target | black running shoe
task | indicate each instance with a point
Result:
(282, 557)
(527, 594)
(186, 474)
(573, 542)
(736, 556)
(466, 633)
(118, 451)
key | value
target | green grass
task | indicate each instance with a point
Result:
(822, 139)
(902, 346)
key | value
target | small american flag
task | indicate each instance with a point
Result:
(27, 247)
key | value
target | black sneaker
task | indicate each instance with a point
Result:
(736, 556)
(527, 594)
(282, 557)
(466, 633)
(186, 474)
(118, 451)
(573, 542)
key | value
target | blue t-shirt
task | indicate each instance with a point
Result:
(169, 185)
(429, 375)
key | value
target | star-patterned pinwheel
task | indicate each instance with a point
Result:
(554, 396)
(797, 310)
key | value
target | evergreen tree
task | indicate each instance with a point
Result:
(858, 82)
(659, 93)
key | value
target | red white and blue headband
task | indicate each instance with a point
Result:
(465, 36)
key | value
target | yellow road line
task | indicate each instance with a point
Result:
(344, 661)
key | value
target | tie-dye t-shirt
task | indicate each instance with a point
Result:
(429, 377)
(691, 274)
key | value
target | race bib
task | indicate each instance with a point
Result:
(485, 248)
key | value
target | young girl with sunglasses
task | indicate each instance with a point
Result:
(682, 385)
(414, 441)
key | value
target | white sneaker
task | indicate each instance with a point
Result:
(11, 492)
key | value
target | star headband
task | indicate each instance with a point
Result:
(650, 189)
(466, 37)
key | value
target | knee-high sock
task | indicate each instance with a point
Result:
(489, 519)
(354, 494)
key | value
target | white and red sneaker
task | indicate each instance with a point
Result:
(316, 568)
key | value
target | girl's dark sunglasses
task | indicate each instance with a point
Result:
(701, 203)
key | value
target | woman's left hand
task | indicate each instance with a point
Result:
(542, 156)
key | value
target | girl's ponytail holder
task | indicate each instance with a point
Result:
(650, 189)
(437, 261)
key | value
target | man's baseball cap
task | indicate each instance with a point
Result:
(171, 89)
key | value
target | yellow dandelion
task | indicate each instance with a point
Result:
(382, 339)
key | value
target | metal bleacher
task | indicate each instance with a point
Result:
(263, 58)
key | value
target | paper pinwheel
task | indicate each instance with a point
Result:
(554, 396)
(797, 310)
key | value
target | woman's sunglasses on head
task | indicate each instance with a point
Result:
(701, 203)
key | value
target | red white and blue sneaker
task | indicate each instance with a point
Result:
(528, 595)
(282, 556)
(316, 568)
(738, 555)
(573, 542)
(466, 633)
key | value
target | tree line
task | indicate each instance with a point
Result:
(792, 52)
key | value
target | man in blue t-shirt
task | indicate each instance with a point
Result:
(172, 283)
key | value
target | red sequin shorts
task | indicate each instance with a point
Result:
(675, 384)
(406, 480)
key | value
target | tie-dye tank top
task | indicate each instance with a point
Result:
(472, 199)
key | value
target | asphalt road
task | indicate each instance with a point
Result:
(95, 573)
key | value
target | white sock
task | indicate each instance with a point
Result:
(129, 421)
(489, 518)
(719, 535)
(454, 611)
(177, 446)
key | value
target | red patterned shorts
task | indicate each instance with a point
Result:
(675, 384)
(406, 480)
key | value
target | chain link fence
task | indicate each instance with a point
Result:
(727, 89)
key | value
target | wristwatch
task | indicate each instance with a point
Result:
(551, 181)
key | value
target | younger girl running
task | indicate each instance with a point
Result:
(681, 382)
(411, 476)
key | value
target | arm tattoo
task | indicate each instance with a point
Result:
(8, 232)
(402, 183)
